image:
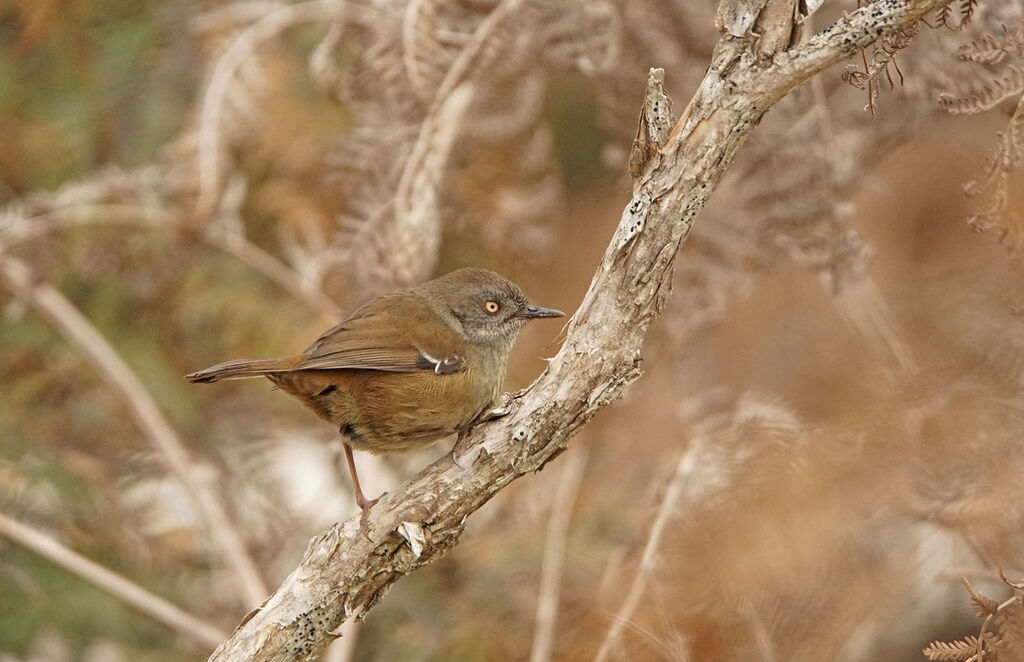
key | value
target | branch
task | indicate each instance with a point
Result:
(234, 244)
(52, 305)
(149, 604)
(686, 470)
(345, 574)
(276, 270)
(554, 552)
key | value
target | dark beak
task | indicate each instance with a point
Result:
(536, 313)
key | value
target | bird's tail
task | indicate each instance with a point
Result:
(243, 368)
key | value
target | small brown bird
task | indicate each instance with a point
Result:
(407, 368)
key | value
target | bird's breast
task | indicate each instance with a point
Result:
(392, 412)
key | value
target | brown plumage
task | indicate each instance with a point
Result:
(407, 368)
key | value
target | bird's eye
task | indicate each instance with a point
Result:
(491, 307)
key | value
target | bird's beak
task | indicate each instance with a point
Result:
(536, 313)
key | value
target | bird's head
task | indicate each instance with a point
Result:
(483, 307)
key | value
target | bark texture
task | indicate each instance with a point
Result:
(344, 574)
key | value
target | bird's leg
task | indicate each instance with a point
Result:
(500, 409)
(460, 447)
(361, 501)
(459, 450)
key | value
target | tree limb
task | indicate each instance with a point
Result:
(344, 574)
(154, 606)
(686, 469)
(52, 305)
(554, 553)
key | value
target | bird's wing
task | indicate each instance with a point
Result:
(395, 334)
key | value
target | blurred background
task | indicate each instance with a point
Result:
(827, 434)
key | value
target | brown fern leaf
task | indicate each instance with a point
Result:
(433, 33)
(967, 8)
(996, 218)
(943, 17)
(957, 651)
(1016, 586)
(991, 49)
(1012, 644)
(996, 165)
(883, 56)
(990, 95)
(990, 218)
(424, 57)
(983, 605)
(1015, 135)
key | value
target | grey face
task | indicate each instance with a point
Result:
(487, 308)
(491, 315)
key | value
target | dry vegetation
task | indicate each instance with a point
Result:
(827, 435)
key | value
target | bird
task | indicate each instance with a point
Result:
(406, 368)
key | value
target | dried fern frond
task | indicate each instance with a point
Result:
(425, 72)
(230, 97)
(967, 8)
(587, 36)
(983, 606)
(953, 651)
(1000, 636)
(997, 218)
(991, 49)
(882, 58)
(945, 19)
(1012, 643)
(424, 55)
(991, 94)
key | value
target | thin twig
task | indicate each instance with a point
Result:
(554, 553)
(62, 218)
(52, 305)
(232, 243)
(977, 574)
(277, 270)
(865, 307)
(129, 592)
(979, 600)
(685, 468)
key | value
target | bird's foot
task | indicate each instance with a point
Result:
(364, 519)
(463, 455)
(495, 414)
(461, 458)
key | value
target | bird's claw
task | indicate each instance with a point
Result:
(364, 518)
(495, 414)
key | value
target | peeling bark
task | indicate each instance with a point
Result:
(344, 574)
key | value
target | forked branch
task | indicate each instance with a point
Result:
(72, 324)
(344, 574)
(161, 610)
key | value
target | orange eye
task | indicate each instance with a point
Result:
(491, 307)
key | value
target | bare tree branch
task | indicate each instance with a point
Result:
(686, 468)
(344, 574)
(149, 604)
(62, 313)
(554, 553)
(150, 216)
